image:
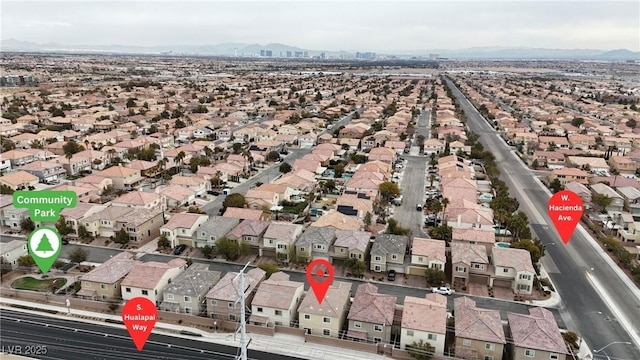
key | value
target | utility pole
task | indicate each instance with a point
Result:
(244, 342)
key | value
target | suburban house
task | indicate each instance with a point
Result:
(424, 319)
(123, 178)
(46, 171)
(222, 298)
(513, 269)
(141, 199)
(251, 233)
(140, 225)
(387, 252)
(19, 180)
(276, 301)
(148, 279)
(182, 228)
(279, 240)
(371, 315)
(617, 201)
(536, 336)
(213, 229)
(479, 332)
(351, 244)
(469, 263)
(328, 318)
(11, 251)
(426, 254)
(315, 242)
(186, 294)
(566, 175)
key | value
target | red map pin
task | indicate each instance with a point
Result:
(565, 210)
(139, 316)
(320, 275)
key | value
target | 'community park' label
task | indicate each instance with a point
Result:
(45, 205)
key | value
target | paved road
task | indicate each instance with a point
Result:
(588, 311)
(412, 187)
(9, 238)
(423, 126)
(72, 340)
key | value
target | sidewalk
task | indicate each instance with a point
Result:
(282, 344)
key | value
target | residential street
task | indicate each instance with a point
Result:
(605, 314)
(412, 187)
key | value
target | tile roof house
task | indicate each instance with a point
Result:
(424, 319)
(19, 180)
(617, 201)
(351, 244)
(338, 221)
(315, 242)
(513, 269)
(426, 254)
(182, 228)
(276, 301)
(186, 294)
(141, 199)
(148, 279)
(250, 232)
(221, 299)
(246, 214)
(536, 336)
(479, 333)
(279, 239)
(11, 251)
(213, 229)
(371, 314)
(469, 263)
(387, 252)
(328, 318)
(123, 178)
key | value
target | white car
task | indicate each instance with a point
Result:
(443, 290)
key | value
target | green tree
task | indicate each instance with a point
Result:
(367, 218)
(26, 260)
(389, 190)
(163, 242)
(421, 350)
(442, 232)
(78, 255)
(555, 185)
(27, 224)
(121, 237)
(435, 277)
(234, 200)
(535, 250)
(577, 121)
(83, 233)
(272, 156)
(602, 201)
(285, 167)
(269, 268)
(230, 249)
(631, 123)
(356, 267)
(72, 147)
(518, 224)
(62, 227)
(207, 251)
(395, 229)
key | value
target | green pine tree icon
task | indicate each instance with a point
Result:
(44, 244)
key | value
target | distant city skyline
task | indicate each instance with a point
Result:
(382, 27)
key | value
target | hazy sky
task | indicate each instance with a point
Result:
(329, 25)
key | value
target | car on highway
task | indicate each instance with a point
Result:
(442, 290)
(179, 249)
(391, 275)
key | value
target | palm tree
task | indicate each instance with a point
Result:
(180, 158)
(432, 178)
(217, 179)
(162, 163)
(444, 202)
(247, 156)
(208, 152)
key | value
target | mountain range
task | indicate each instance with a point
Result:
(245, 49)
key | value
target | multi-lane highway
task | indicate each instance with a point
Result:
(45, 338)
(597, 303)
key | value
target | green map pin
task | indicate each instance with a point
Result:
(44, 245)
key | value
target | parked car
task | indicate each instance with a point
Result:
(391, 275)
(443, 290)
(179, 249)
(419, 207)
(65, 242)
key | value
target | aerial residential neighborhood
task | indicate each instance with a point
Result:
(208, 184)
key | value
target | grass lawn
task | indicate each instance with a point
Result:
(30, 283)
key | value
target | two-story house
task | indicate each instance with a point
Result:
(186, 293)
(371, 314)
(536, 336)
(426, 254)
(479, 332)
(469, 263)
(279, 240)
(424, 319)
(223, 297)
(10, 252)
(328, 318)
(213, 229)
(182, 228)
(46, 171)
(148, 279)
(387, 252)
(315, 243)
(251, 233)
(276, 301)
(351, 244)
(617, 201)
(103, 282)
(513, 269)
